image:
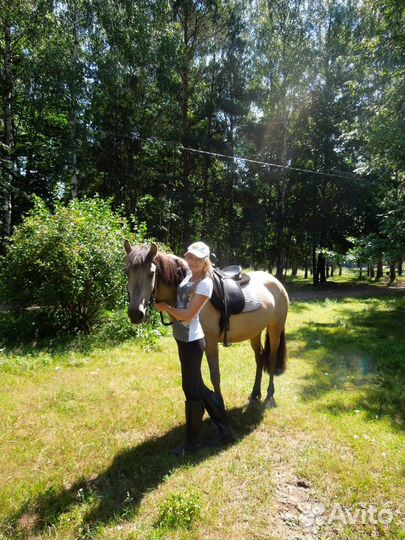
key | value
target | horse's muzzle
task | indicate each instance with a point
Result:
(136, 316)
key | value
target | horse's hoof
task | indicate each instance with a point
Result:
(270, 403)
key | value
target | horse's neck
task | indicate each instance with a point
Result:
(166, 293)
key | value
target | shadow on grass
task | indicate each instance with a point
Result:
(360, 350)
(116, 493)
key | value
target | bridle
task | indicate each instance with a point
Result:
(152, 299)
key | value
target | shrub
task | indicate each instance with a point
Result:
(179, 510)
(66, 263)
(114, 327)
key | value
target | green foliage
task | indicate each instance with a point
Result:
(110, 91)
(179, 510)
(114, 327)
(65, 265)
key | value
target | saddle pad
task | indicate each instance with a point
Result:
(252, 299)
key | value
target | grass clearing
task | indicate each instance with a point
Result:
(86, 437)
(349, 277)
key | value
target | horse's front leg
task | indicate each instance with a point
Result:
(211, 351)
(258, 350)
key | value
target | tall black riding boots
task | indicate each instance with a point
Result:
(194, 415)
(214, 405)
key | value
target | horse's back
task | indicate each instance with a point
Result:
(273, 311)
(275, 287)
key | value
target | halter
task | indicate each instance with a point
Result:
(152, 299)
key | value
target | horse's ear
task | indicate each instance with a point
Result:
(128, 247)
(152, 251)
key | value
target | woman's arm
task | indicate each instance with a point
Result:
(184, 315)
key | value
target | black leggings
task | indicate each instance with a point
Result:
(190, 354)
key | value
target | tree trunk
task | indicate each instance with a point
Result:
(207, 159)
(321, 268)
(372, 272)
(73, 108)
(380, 270)
(340, 270)
(206, 172)
(280, 248)
(315, 275)
(287, 256)
(393, 274)
(228, 208)
(186, 153)
(8, 134)
(282, 186)
(400, 267)
(306, 269)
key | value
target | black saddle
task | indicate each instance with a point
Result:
(227, 296)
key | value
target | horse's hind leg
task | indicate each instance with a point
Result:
(256, 344)
(274, 335)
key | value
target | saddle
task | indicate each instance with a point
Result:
(227, 296)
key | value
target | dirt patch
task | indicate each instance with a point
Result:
(296, 503)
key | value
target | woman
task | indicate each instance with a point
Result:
(192, 294)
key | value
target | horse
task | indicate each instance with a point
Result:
(153, 274)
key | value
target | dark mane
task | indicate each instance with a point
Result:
(172, 269)
(137, 256)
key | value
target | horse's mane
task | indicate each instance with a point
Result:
(137, 256)
(172, 269)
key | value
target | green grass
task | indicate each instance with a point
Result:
(349, 278)
(86, 435)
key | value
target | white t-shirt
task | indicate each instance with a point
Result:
(192, 330)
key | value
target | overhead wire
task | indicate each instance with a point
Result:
(349, 176)
(274, 165)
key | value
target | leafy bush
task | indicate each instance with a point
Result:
(179, 510)
(114, 327)
(67, 264)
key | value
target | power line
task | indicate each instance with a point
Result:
(275, 165)
(349, 176)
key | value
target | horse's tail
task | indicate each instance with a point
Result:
(281, 361)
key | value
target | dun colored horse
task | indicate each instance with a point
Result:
(154, 274)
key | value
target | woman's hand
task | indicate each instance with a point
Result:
(162, 306)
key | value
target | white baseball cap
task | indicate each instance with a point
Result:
(199, 249)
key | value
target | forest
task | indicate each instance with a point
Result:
(272, 129)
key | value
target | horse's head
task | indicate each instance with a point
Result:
(141, 273)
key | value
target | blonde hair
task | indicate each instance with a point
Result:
(207, 270)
